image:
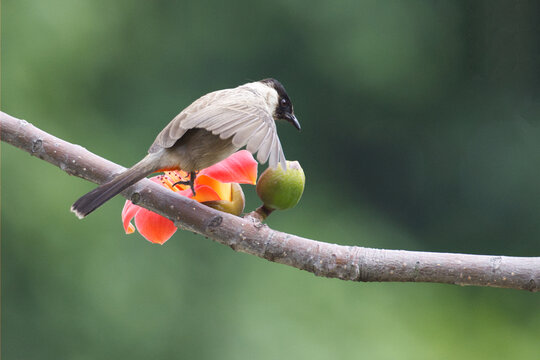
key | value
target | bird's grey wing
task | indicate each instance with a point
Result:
(176, 128)
(252, 126)
(244, 117)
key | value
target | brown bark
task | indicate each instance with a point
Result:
(249, 235)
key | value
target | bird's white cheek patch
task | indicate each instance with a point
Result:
(272, 100)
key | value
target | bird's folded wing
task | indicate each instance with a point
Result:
(228, 115)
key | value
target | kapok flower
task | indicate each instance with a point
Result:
(217, 186)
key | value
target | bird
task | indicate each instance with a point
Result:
(209, 130)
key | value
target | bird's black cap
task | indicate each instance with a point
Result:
(277, 86)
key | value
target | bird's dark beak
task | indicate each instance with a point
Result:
(293, 120)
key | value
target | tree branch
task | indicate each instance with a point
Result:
(250, 236)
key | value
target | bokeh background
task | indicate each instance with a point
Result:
(420, 131)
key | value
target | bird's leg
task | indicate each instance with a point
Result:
(190, 182)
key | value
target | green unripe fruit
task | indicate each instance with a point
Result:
(279, 189)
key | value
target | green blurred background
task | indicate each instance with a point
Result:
(420, 131)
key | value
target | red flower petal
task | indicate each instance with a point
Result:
(154, 227)
(240, 168)
(128, 213)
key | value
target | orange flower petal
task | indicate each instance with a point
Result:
(223, 190)
(204, 193)
(240, 168)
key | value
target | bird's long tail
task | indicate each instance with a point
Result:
(97, 197)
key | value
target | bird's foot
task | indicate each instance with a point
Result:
(190, 182)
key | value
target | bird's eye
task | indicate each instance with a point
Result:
(283, 102)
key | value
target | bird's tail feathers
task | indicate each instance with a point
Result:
(97, 197)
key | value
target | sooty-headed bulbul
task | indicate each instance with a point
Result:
(209, 130)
